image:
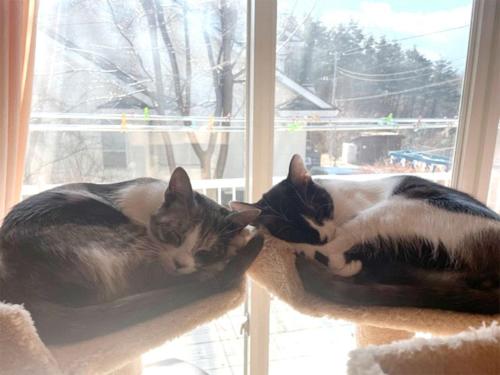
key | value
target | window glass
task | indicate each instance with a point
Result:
(134, 88)
(364, 88)
(494, 191)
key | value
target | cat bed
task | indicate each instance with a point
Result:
(23, 352)
(470, 352)
(275, 270)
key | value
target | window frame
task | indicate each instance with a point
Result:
(478, 123)
(479, 112)
(259, 143)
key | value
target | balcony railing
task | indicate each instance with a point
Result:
(224, 190)
(153, 123)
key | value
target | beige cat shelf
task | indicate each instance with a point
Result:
(22, 351)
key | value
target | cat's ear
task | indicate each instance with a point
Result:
(242, 206)
(297, 172)
(244, 218)
(180, 185)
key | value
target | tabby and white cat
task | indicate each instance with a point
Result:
(91, 258)
(400, 230)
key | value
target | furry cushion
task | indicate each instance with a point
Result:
(275, 270)
(470, 352)
(22, 351)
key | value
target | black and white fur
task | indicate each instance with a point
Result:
(403, 229)
(78, 248)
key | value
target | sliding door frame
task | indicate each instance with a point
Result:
(480, 103)
(261, 69)
(475, 146)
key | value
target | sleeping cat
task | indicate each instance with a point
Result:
(401, 230)
(118, 253)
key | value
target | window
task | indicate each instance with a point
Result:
(363, 89)
(494, 187)
(114, 151)
(158, 82)
(369, 87)
(133, 88)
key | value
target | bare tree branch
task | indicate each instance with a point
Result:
(100, 61)
(153, 35)
(127, 39)
(228, 18)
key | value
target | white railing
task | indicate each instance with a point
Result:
(215, 187)
(83, 122)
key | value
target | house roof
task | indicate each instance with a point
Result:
(302, 92)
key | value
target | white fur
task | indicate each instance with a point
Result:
(80, 195)
(365, 210)
(326, 231)
(139, 202)
(352, 197)
(399, 217)
(106, 268)
(183, 255)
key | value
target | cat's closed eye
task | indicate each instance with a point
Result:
(164, 232)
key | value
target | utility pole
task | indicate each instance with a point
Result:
(334, 77)
(332, 101)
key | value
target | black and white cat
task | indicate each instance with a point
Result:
(397, 230)
(118, 253)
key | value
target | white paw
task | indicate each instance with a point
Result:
(350, 269)
(336, 261)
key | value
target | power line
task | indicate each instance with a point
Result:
(399, 92)
(359, 49)
(369, 79)
(433, 32)
(375, 75)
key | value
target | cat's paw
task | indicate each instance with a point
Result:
(336, 261)
(350, 269)
(339, 266)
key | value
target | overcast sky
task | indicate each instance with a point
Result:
(398, 19)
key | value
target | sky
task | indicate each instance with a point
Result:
(398, 19)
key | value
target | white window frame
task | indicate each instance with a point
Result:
(261, 69)
(480, 104)
(476, 136)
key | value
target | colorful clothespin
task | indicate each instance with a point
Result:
(124, 122)
(211, 121)
(294, 126)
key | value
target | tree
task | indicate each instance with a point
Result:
(374, 77)
(155, 71)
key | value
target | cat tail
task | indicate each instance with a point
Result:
(58, 325)
(355, 291)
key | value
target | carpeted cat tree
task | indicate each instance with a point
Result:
(22, 351)
(478, 349)
(473, 347)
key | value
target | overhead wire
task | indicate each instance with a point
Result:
(359, 49)
(374, 75)
(370, 79)
(383, 95)
(383, 76)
